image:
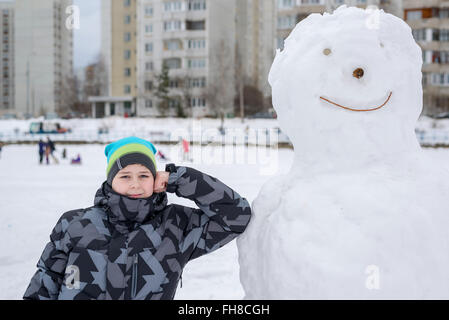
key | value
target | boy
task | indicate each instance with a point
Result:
(131, 244)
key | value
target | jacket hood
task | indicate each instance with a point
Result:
(125, 212)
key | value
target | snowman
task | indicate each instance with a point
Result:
(363, 213)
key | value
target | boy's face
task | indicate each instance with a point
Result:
(134, 181)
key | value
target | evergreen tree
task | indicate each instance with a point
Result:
(162, 91)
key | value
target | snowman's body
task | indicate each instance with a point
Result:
(363, 213)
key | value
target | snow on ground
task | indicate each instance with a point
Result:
(35, 196)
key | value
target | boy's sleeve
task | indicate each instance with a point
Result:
(222, 216)
(46, 282)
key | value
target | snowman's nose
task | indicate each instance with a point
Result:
(358, 73)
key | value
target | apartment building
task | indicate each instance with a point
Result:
(429, 21)
(195, 39)
(255, 36)
(290, 12)
(7, 57)
(43, 56)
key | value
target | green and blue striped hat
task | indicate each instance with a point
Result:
(130, 150)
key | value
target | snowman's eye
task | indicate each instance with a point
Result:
(327, 51)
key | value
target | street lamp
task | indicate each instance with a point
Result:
(32, 54)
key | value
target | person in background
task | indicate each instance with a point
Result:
(52, 149)
(42, 148)
(186, 151)
(76, 160)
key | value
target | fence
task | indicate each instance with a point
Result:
(427, 138)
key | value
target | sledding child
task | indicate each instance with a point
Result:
(131, 244)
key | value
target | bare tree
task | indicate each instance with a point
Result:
(186, 85)
(240, 81)
(219, 92)
(68, 95)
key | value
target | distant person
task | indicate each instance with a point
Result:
(161, 156)
(1, 146)
(42, 147)
(52, 148)
(186, 150)
(76, 160)
(64, 153)
(47, 153)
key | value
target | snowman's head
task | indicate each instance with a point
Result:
(355, 68)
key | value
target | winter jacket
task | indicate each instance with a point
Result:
(123, 248)
(42, 147)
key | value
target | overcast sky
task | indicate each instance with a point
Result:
(87, 40)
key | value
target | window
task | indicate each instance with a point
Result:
(148, 85)
(149, 47)
(419, 34)
(127, 3)
(127, 89)
(127, 72)
(195, 25)
(435, 35)
(149, 66)
(196, 63)
(148, 28)
(172, 45)
(127, 19)
(148, 103)
(444, 56)
(148, 10)
(173, 103)
(197, 82)
(444, 13)
(285, 4)
(194, 5)
(172, 25)
(127, 36)
(444, 35)
(286, 22)
(414, 15)
(173, 6)
(196, 44)
(173, 84)
(127, 54)
(198, 102)
(173, 63)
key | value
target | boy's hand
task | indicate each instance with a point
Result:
(161, 181)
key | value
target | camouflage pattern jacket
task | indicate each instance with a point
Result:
(123, 248)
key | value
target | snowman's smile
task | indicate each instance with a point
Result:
(359, 110)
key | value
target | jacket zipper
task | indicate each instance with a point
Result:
(134, 277)
(181, 277)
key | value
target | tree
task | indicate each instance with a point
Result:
(254, 101)
(187, 96)
(162, 90)
(221, 87)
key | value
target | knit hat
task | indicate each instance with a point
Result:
(126, 151)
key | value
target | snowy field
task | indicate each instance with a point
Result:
(35, 196)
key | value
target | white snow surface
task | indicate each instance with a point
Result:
(363, 212)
